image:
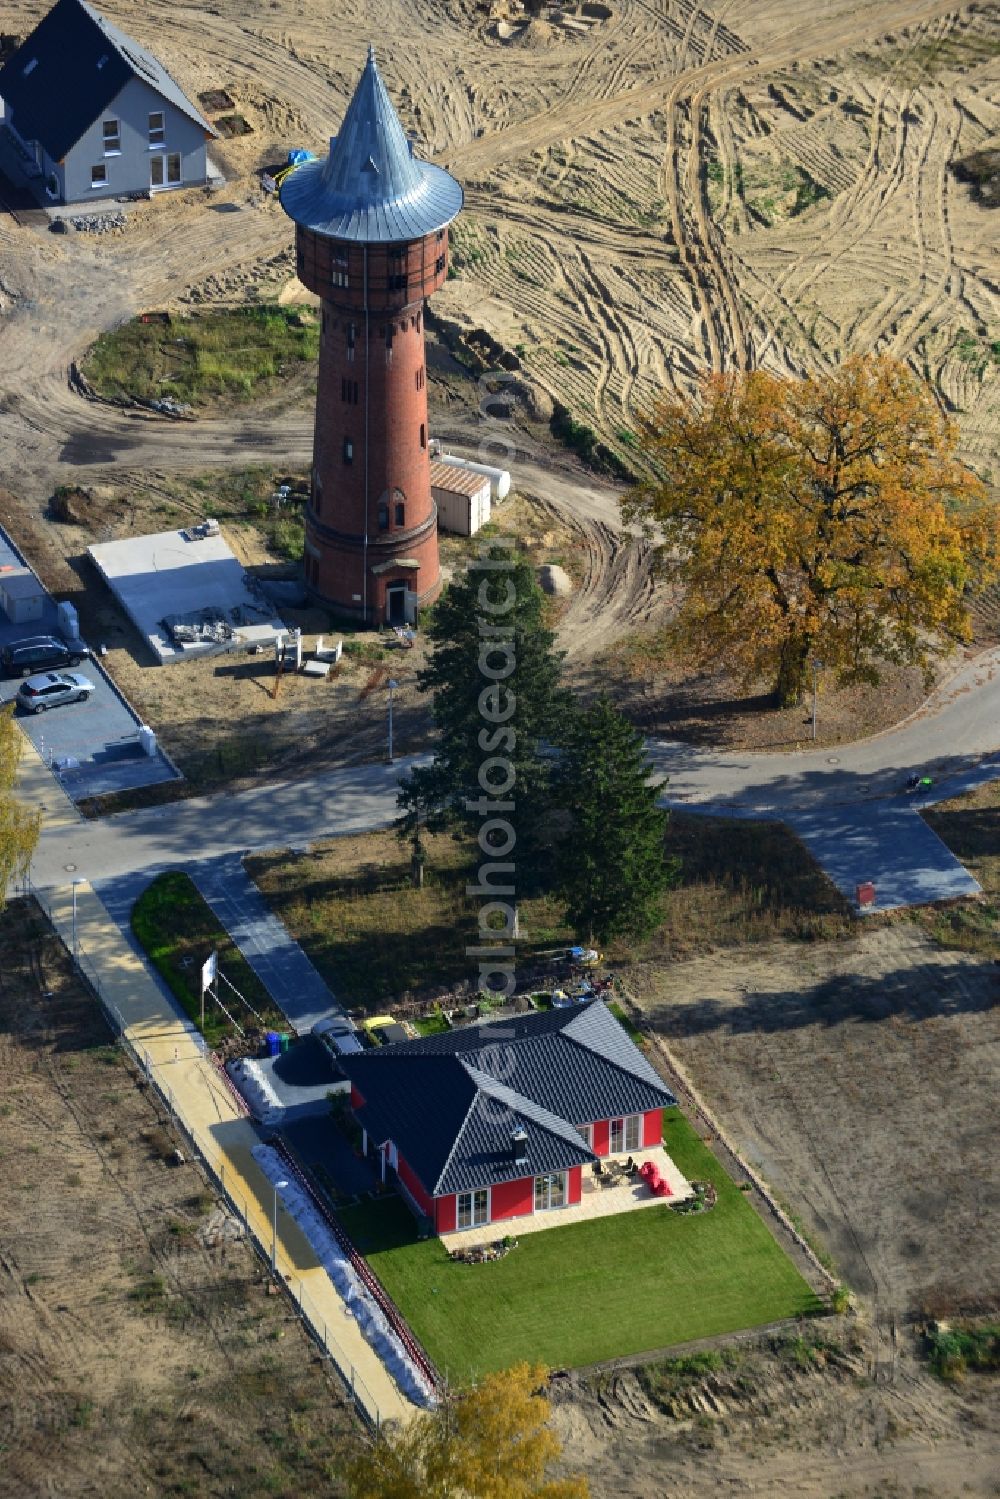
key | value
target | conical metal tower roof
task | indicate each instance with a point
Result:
(371, 188)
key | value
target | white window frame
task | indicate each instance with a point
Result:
(99, 166)
(116, 137)
(474, 1221)
(586, 1133)
(546, 1182)
(160, 130)
(178, 157)
(631, 1123)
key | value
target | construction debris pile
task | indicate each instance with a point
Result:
(98, 223)
(201, 626)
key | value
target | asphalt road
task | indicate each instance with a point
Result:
(288, 814)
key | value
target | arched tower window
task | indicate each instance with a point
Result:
(399, 508)
(383, 516)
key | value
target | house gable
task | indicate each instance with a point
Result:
(70, 69)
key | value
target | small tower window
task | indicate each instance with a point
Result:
(423, 435)
(351, 331)
(400, 514)
(348, 450)
(383, 516)
(439, 264)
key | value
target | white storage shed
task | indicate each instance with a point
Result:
(462, 498)
(22, 597)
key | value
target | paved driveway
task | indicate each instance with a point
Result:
(278, 960)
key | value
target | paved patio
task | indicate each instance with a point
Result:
(598, 1201)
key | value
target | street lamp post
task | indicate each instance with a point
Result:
(76, 950)
(278, 1187)
(392, 684)
(816, 666)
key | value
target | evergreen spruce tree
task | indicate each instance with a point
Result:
(498, 708)
(613, 868)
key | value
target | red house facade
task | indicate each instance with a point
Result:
(476, 1123)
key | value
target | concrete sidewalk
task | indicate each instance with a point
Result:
(276, 958)
(174, 1055)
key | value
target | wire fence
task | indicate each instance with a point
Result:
(213, 1162)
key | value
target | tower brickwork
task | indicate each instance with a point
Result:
(372, 243)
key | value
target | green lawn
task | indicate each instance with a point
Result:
(590, 1291)
(231, 352)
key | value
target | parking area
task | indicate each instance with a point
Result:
(93, 746)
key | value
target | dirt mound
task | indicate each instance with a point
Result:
(536, 36)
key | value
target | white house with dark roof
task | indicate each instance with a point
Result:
(92, 114)
(494, 1122)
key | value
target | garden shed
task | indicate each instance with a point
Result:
(462, 498)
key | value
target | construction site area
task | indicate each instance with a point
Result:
(653, 190)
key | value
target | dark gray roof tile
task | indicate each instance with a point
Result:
(452, 1101)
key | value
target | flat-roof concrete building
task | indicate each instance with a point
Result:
(187, 594)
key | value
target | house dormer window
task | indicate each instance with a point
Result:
(157, 132)
(112, 132)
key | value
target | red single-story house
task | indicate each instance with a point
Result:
(497, 1120)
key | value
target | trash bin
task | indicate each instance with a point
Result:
(284, 1041)
(273, 1043)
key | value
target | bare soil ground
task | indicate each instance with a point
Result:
(139, 1350)
(783, 1416)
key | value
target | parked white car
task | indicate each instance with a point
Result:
(50, 688)
(338, 1035)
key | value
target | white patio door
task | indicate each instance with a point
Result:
(165, 170)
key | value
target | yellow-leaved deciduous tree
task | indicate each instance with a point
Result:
(824, 517)
(490, 1442)
(19, 827)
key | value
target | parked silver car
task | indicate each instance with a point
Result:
(51, 688)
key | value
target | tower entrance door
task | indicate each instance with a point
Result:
(395, 604)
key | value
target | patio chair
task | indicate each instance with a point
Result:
(598, 1169)
(630, 1167)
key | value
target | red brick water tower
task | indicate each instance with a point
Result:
(372, 242)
